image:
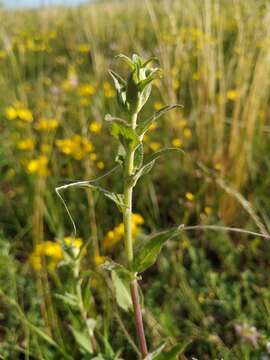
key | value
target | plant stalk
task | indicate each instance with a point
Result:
(127, 219)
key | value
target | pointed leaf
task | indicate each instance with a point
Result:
(126, 59)
(153, 355)
(121, 285)
(148, 253)
(174, 352)
(144, 125)
(83, 340)
(138, 157)
(110, 118)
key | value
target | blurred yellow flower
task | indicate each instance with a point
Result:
(109, 91)
(38, 166)
(76, 146)
(85, 102)
(98, 260)
(154, 146)
(158, 105)
(93, 157)
(189, 196)
(86, 90)
(46, 125)
(207, 210)
(95, 127)
(232, 95)
(27, 144)
(11, 113)
(113, 237)
(47, 253)
(84, 48)
(100, 165)
(177, 142)
(19, 112)
(187, 133)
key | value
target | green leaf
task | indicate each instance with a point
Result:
(138, 157)
(145, 125)
(150, 161)
(110, 118)
(82, 340)
(126, 59)
(125, 134)
(174, 352)
(68, 299)
(153, 355)
(121, 283)
(120, 86)
(148, 253)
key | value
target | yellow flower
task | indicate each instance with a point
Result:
(86, 90)
(137, 219)
(232, 94)
(158, 105)
(109, 91)
(84, 48)
(74, 243)
(93, 157)
(100, 165)
(217, 166)
(46, 125)
(38, 166)
(11, 113)
(27, 144)
(187, 133)
(113, 237)
(25, 114)
(98, 260)
(154, 146)
(48, 253)
(189, 196)
(95, 127)
(177, 142)
(76, 146)
(207, 210)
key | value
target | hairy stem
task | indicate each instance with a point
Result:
(127, 218)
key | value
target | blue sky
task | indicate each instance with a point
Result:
(36, 3)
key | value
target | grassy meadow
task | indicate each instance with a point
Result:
(208, 294)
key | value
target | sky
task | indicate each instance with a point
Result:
(36, 3)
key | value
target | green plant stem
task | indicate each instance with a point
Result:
(127, 218)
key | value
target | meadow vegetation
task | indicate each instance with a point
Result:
(207, 296)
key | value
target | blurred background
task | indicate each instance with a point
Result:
(209, 290)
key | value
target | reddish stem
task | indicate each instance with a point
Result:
(138, 318)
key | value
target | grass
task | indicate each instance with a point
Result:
(209, 289)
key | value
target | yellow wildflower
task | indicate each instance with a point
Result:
(86, 90)
(177, 142)
(109, 91)
(49, 251)
(76, 146)
(232, 95)
(98, 260)
(154, 146)
(207, 210)
(113, 237)
(46, 125)
(100, 165)
(24, 114)
(27, 144)
(158, 105)
(95, 127)
(217, 166)
(93, 157)
(84, 48)
(187, 133)
(189, 196)
(74, 243)
(11, 113)
(38, 166)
